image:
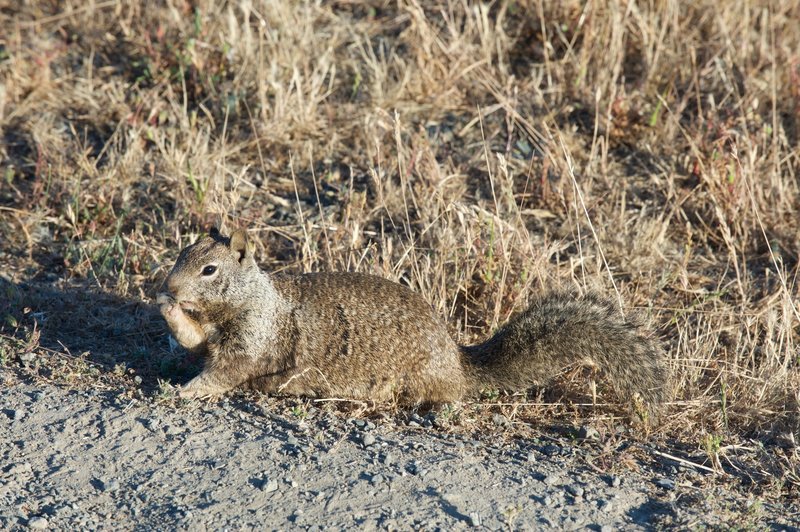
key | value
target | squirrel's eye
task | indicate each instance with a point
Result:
(209, 270)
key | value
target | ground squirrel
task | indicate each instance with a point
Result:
(358, 336)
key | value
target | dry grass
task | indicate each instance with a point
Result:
(476, 152)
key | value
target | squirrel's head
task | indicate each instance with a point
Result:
(215, 269)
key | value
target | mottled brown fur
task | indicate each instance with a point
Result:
(363, 337)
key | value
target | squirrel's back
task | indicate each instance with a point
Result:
(371, 338)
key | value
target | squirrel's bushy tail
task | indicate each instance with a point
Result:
(558, 330)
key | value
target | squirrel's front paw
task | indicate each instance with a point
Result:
(169, 307)
(164, 299)
(199, 388)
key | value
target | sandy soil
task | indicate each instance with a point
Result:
(102, 460)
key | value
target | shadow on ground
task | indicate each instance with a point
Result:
(112, 334)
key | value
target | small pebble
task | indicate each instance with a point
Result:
(666, 483)
(368, 440)
(38, 523)
(268, 486)
(500, 420)
(574, 490)
(588, 433)
(109, 485)
(27, 357)
(551, 450)
(550, 480)
(605, 505)
(614, 481)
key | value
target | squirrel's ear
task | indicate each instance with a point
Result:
(240, 246)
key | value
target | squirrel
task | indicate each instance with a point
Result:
(359, 336)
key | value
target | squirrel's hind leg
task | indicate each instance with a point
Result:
(288, 382)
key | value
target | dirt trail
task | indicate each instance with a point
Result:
(95, 460)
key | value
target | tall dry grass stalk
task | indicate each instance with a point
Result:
(478, 152)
